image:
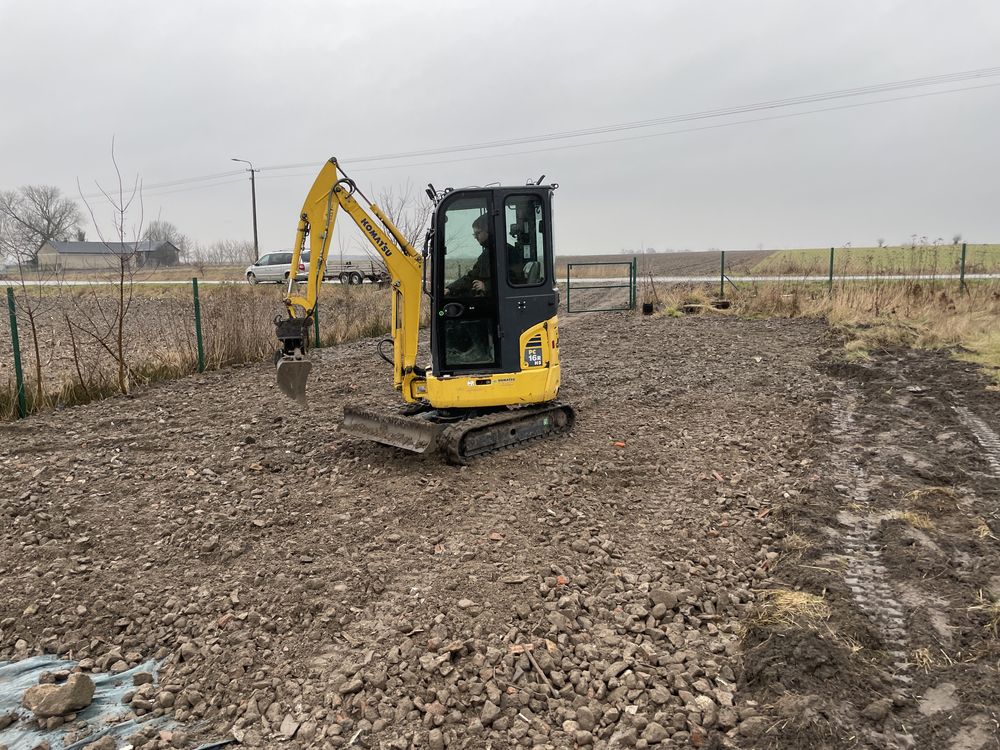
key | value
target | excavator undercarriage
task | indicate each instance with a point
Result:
(460, 435)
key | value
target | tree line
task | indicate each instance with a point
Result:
(32, 215)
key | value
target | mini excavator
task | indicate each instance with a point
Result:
(487, 268)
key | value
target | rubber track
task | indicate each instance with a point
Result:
(451, 440)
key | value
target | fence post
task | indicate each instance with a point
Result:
(197, 327)
(722, 276)
(633, 292)
(22, 401)
(961, 273)
(316, 326)
(830, 280)
(569, 268)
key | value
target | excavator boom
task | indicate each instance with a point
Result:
(332, 191)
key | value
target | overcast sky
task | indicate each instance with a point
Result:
(184, 86)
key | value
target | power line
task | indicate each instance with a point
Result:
(673, 119)
(181, 181)
(607, 129)
(196, 187)
(648, 135)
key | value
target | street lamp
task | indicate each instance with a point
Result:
(253, 196)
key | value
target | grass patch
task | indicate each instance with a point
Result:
(878, 315)
(983, 530)
(992, 612)
(160, 339)
(917, 520)
(921, 493)
(795, 542)
(793, 609)
(918, 257)
(922, 658)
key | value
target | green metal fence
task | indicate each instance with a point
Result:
(589, 282)
(22, 406)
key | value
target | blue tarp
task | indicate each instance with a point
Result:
(18, 676)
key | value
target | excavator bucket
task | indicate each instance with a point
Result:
(292, 375)
(413, 433)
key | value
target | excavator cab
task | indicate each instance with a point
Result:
(492, 279)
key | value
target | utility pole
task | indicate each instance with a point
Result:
(253, 197)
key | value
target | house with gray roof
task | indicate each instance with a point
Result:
(102, 256)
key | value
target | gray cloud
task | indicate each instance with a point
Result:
(183, 87)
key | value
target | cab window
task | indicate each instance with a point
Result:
(526, 251)
(467, 248)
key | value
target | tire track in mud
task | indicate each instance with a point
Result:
(865, 574)
(988, 439)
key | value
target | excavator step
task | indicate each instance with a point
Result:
(462, 439)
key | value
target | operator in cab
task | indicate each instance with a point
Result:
(478, 279)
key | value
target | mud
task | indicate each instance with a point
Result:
(300, 586)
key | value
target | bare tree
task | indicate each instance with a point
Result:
(161, 230)
(222, 253)
(409, 210)
(34, 215)
(105, 322)
(881, 241)
(29, 217)
(956, 238)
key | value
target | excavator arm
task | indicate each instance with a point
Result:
(332, 191)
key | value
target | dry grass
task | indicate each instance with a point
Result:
(160, 336)
(919, 256)
(853, 645)
(871, 316)
(923, 659)
(926, 492)
(793, 609)
(917, 520)
(795, 542)
(992, 611)
(983, 530)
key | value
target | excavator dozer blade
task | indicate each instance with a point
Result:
(409, 433)
(292, 376)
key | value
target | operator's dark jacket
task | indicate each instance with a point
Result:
(481, 271)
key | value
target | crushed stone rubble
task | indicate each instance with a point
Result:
(297, 586)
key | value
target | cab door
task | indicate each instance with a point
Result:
(465, 330)
(529, 294)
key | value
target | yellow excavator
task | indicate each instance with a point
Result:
(487, 268)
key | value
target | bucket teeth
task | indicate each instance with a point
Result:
(292, 376)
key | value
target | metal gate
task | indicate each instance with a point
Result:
(591, 302)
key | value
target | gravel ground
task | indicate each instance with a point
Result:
(605, 589)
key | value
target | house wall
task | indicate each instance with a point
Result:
(50, 260)
(83, 262)
(47, 257)
(165, 255)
